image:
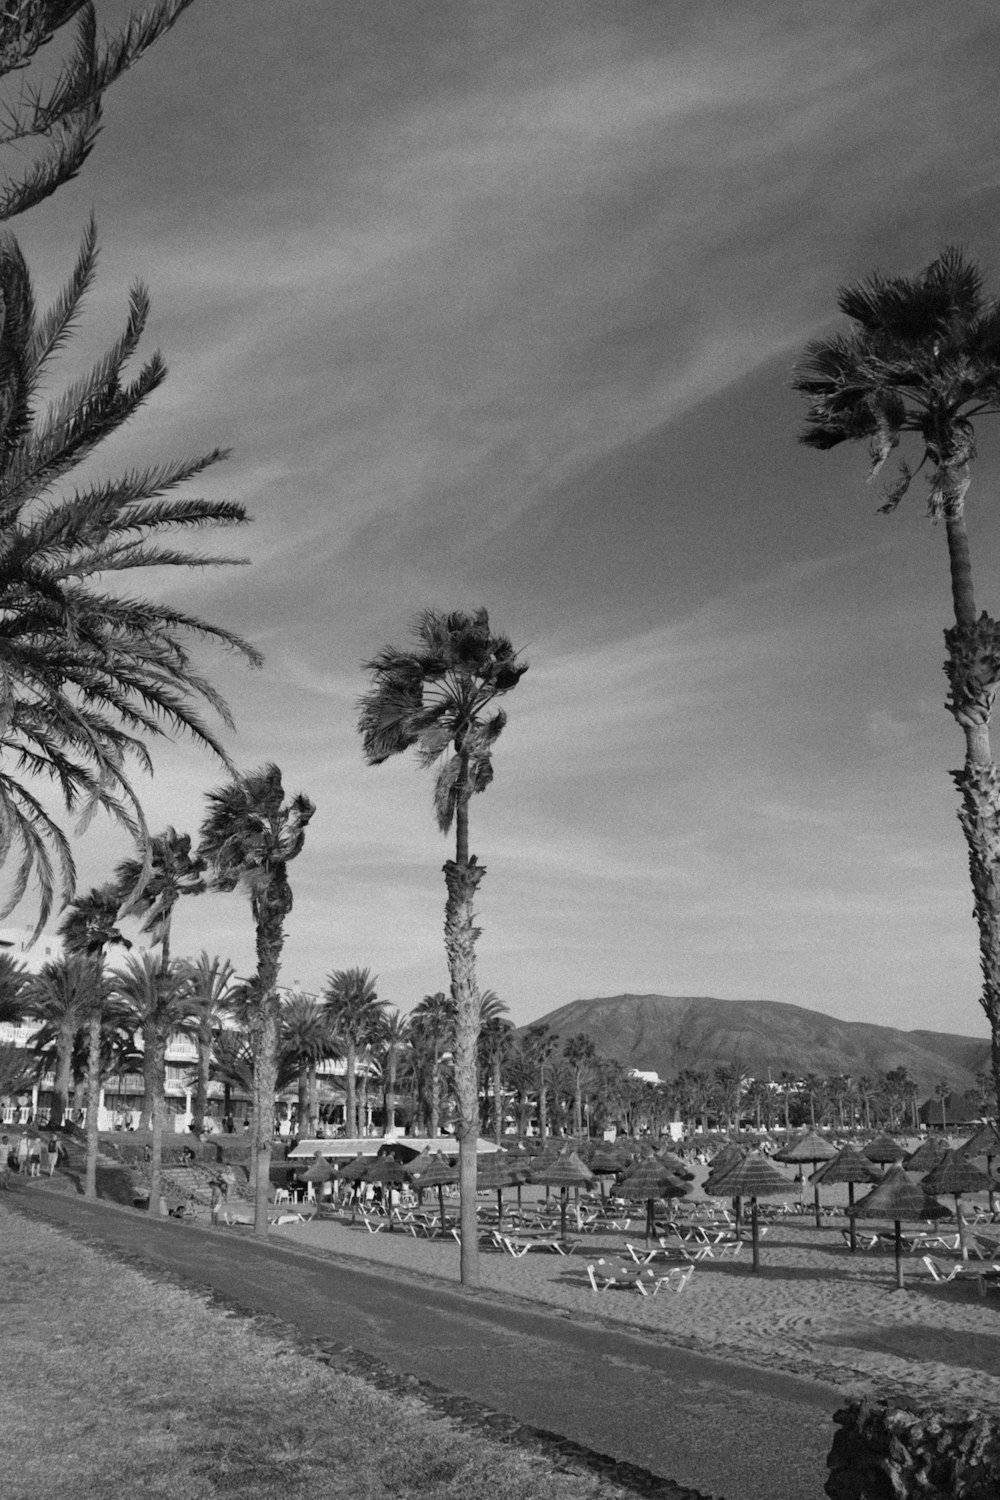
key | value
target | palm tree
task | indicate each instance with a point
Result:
(209, 982)
(248, 837)
(923, 361)
(498, 1043)
(14, 982)
(152, 883)
(91, 674)
(353, 1005)
(60, 997)
(942, 1093)
(392, 1038)
(65, 113)
(157, 1003)
(88, 929)
(432, 1022)
(307, 1039)
(439, 698)
(540, 1044)
(580, 1052)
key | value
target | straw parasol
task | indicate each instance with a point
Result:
(884, 1150)
(389, 1172)
(752, 1177)
(848, 1166)
(955, 1174)
(897, 1198)
(498, 1171)
(438, 1173)
(927, 1155)
(808, 1148)
(984, 1142)
(673, 1163)
(319, 1170)
(651, 1179)
(566, 1171)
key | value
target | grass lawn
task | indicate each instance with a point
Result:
(120, 1387)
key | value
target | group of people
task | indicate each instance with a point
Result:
(29, 1155)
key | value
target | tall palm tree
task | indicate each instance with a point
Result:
(540, 1044)
(392, 1039)
(922, 362)
(209, 983)
(307, 1039)
(152, 882)
(63, 113)
(439, 698)
(248, 838)
(353, 1006)
(88, 929)
(157, 1004)
(60, 997)
(432, 1023)
(581, 1053)
(942, 1093)
(14, 982)
(91, 674)
(497, 1043)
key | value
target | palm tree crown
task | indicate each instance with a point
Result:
(436, 697)
(923, 358)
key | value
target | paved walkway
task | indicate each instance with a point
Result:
(720, 1429)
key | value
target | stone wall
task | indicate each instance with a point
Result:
(891, 1449)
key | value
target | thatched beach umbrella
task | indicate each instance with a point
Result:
(497, 1171)
(752, 1177)
(956, 1175)
(984, 1142)
(727, 1156)
(848, 1166)
(605, 1162)
(388, 1172)
(650, 1179)
(319, 1170)
(565, 1172)
(897, 1198)
(884, 1150)
(356, 1171)
(673, 1163)
(927, 1155)
(438, 1173)
(808, 1148)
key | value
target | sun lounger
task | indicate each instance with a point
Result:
(605, 1274)
(373, 1223)
(520, 1246)
(960, 1271)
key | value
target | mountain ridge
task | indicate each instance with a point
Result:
(667, 1033)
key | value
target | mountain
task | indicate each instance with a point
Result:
(666, 1033)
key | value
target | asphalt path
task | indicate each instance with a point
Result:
(724, 1430)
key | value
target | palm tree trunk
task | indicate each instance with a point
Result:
(435, 1122)
(155, 1071)
(543, 1120)
(93, 1101)
(265, 1034)
(204, 1067)
(973, 669)
(312, 1106)
(303, 1091)
(497, 1097)
(61, 1083)
(351, 1108)
(462, 876)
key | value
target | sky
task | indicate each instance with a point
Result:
(498, 304)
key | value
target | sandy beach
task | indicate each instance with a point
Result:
(814, 1308)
